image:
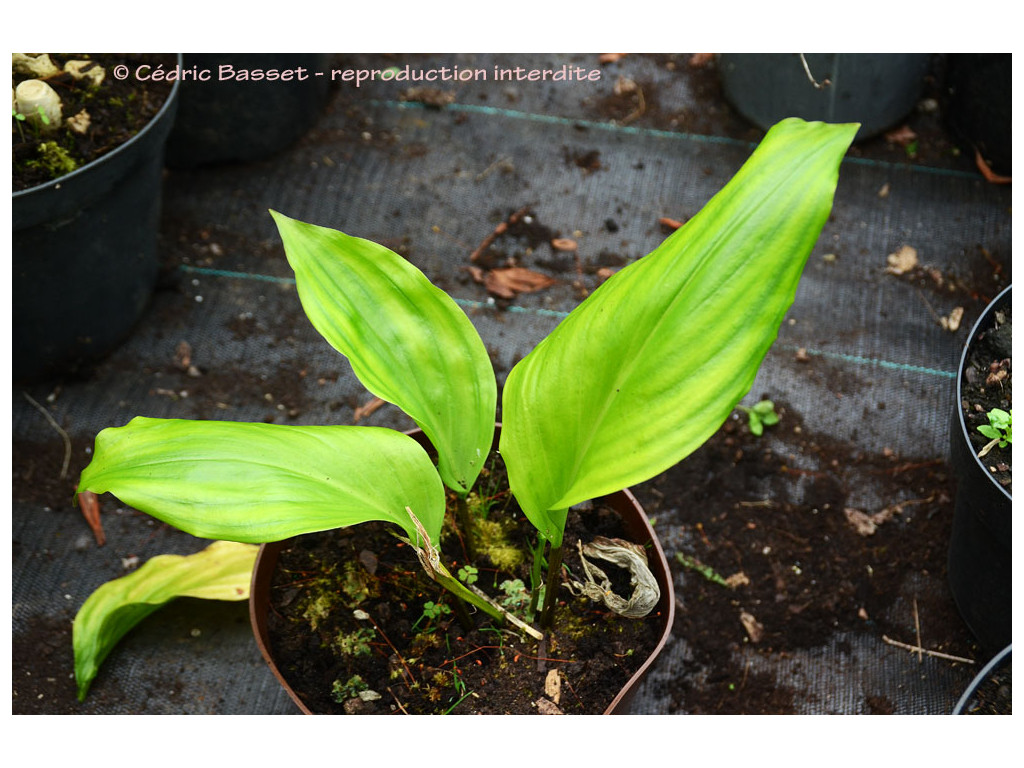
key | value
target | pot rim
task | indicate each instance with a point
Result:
(993, 663)
(982, 321)
(170, 103)
(268, 553)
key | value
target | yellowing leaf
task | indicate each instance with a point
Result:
(222, 571)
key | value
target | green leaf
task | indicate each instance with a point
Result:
(222, 571)
(652, 363)
(407, 341)
(266, 482)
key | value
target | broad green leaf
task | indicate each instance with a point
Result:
(266, 482)
(652, 363)
(407, 341)
(222, 571)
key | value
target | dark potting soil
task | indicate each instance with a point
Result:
(994, 695)
(803, 565)
(117, 110)
(987, 385)
(351, 610)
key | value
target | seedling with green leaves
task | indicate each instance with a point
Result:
(638, 376)
(760, 415)
(999, 430)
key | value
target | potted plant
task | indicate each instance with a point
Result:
(874, 89)
(990, 692)
(85, 203)
(241, 107)
(637, 377)
(980, 549)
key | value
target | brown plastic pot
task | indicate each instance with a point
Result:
(638, 529)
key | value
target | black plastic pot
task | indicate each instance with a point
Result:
(225, 119)
(980, 108)
(980, 548)
(85, 254)
(986, 694)
(637, 527)
(873, 89)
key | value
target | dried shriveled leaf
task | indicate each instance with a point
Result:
(901, 262)
(222, 571)
(754, 628)
(506, 282)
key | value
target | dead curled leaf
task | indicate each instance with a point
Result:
(546, 707)
(952, 323)
(903, 136)
(89, 503)
(553, 686)
(506, 282)
(866, 524)
(737, 580)
(901, 262)
(754, 628)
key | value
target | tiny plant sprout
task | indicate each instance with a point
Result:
(999, 430)
(633, 380)
(760, 415)
(39, 103)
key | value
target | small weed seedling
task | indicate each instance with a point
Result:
(999, 430)
(431, 612)
(760, 415)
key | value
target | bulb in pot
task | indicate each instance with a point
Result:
(35, 99)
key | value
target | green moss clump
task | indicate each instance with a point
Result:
(319, 603)
(354, 643)
(54, 159)
(355, 582)
(493, 542)
(341, 691)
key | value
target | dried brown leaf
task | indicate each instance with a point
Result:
(902, 136)
(506, 282)
(737, 580)
(754, 628)
(901, 262)
(553, 686)
(861, 522)
(89, 503)
(952, 323)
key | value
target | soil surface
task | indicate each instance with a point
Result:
(994, 695)
(986, 385)
(800, 563)
(352, 611)
(117, 110)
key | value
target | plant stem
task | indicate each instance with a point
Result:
(462, 614)
(466, 526)
(551, 589)
(535, 575)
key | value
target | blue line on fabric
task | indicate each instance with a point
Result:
(560, 314)
(639, 131)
